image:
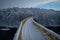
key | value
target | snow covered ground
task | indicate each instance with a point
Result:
(28, 31)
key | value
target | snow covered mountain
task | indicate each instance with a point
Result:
(13, 16)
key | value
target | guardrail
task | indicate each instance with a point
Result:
(19, 31)
(46, 29)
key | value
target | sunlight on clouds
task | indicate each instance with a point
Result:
(38, 2)
(23, 3)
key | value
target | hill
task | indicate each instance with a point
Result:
(12, 17)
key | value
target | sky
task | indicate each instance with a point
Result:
(52, 5)
(47, 4)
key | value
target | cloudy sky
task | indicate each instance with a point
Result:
(49, 4)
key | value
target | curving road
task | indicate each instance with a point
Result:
(30, 30)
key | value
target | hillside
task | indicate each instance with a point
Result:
(12, 17)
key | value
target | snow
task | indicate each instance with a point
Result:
(5, 29)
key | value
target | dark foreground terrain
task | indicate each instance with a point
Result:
(9, 34)
(55, 29)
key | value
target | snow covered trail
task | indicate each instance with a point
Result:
(30, 30)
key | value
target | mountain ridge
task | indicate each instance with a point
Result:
(13, 16)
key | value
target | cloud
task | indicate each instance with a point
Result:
(38, 2)
(23, 3)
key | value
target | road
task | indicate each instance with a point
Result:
(29, 30)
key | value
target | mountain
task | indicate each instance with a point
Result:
(12, 17)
